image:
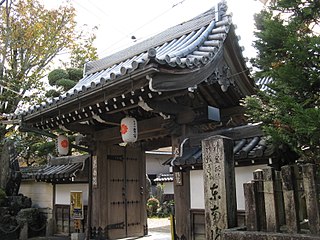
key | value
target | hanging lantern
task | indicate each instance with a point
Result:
(129, 129)
(63, 145)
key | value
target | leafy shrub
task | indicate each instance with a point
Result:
(152, 206)
(75, 74)
(165, 209)
(56, 75)
(65, 83)
(52, 93)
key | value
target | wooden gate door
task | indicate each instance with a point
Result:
(126, 196)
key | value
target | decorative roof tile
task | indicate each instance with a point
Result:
(164, 177)
(247, 151)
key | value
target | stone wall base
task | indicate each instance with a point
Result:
(235, 234)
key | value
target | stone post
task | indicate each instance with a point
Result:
(291, 203)
(312, 197)
(261, 209)
(251, 206)
(271, 207)
(219, 186)
(24, 231)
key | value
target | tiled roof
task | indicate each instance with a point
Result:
(57, 170)
(262, 83)
(164, 177)
(189, 45)
(29, 172)
(247, 151)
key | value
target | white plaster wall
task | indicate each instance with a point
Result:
(196, 189)
(40, 193)
(242, 175)
(154, 163)
(63, 192)
(168, 188)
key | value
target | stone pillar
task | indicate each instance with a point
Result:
(24, 231)
(291, 203)
(261, 210)
(219, 186)
(251, 206)
(312, 197)
(272, 214)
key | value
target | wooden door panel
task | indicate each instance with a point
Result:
(134, 190)
(125, 201)
(116, 193)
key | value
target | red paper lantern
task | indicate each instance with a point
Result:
(129, 129)
(63, 145)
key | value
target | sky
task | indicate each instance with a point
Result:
(119, 20)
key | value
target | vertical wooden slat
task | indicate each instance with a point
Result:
(312, 197)
(219, 185)
(291, 203)
(251, 206)
(261, 209)
(272, 217)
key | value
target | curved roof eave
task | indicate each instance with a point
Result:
(191, 47)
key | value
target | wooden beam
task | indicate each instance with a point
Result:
(80, 128)
(51, 135)
(231, 111)
(156, 143)
(146, 129)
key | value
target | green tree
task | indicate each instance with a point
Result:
(31, 38)
(82, 51)
(63, 80)
(288, 45)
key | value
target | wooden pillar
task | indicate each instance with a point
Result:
(291, 203)
(182, 204)
(272, 217)
(251, 206)
(219, 186)
(312, 197)
(181, 187)
(261, 210)
(89, 211)
(97, 178)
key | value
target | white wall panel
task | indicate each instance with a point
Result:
(243, 175)
(40, 193)
(63, 192)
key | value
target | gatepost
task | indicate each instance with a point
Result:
(219, 186)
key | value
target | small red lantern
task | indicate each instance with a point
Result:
(129, 129)
(63, 145)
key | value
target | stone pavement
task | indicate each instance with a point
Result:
(159, 229)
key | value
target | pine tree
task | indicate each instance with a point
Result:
(288, 45)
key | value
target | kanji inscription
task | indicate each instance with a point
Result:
(219, 185)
